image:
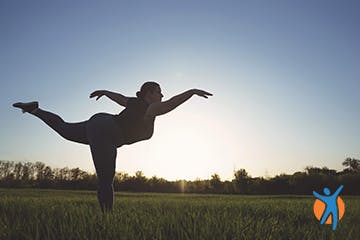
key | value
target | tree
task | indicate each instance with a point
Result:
(77, 174)
(39, 168)
(139, 176)
(318, 171)
(352, 164)
(65, 174)
(241, 174)
(18, 167)
(48, 176)
(215, 183)
(242, 180)
(6, 168)
(28, 172)
(121, 176)
(199, 185)
(139, 181)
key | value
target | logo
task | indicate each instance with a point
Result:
(329, 209)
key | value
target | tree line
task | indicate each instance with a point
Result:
(38, 175)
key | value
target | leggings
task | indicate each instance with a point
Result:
(103, 136)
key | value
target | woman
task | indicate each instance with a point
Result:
(104, 132)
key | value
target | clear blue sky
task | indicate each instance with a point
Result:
(285, 77)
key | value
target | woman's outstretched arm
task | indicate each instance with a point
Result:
(116, 97)
(160, 108)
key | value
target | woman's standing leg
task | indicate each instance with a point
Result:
(101, 134)
(104, 157)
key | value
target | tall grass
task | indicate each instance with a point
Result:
(50, 214)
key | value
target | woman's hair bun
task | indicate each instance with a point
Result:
(145, 88)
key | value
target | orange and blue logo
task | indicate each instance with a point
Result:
(329, 209)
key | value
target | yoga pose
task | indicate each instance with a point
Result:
(104, 132)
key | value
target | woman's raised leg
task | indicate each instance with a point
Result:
(75, 132)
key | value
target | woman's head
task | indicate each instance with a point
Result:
(150, 92)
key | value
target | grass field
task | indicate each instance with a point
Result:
(53, 214)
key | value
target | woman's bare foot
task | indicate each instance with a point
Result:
(27, 107)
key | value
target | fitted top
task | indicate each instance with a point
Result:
(132, 123)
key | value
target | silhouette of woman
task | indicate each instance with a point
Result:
(104, 132)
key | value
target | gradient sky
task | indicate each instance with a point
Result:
(285, 77)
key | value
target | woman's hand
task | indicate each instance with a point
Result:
(116, 97)
(160, 108)
(98, 94)
(201, 93)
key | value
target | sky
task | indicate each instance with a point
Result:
(285, 77)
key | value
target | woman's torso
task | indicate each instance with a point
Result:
(132, 122)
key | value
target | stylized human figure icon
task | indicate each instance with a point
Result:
(331, 205)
